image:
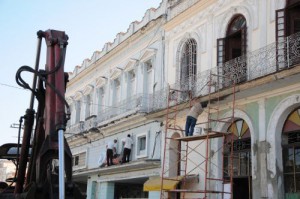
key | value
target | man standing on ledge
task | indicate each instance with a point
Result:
(111, 148)
(127, 148)
(192, 117)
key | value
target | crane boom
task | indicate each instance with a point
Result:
(44, 178)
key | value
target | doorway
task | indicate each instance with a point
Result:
(242, 188)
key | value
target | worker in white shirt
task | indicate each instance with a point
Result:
(127, 142)
(111, 148)
(192, 117)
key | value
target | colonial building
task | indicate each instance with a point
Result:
(109, 96)
(243, 56)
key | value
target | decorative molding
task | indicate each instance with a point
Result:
(149, 16)
(130, 65)
(147, 54)
(115, 73)
(69, 100)
(100, 82)
(88, 89)
(181, 7)
(227, 17)
(78, 95)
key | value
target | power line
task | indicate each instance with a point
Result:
(7, 85)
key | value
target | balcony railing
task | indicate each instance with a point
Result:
(272, 58)
(136, 103)
(75, 128)
(267, 60)
(90, 122)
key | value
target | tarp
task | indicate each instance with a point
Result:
(154, 183)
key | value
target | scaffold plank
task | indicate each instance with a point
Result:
(197, 191)
(210, 135)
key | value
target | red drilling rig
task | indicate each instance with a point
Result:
(37, 174)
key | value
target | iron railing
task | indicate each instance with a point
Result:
(75, 128)
(90, 122)
(267, 60)
(136, 103)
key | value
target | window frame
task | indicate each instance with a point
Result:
(138, 151)
(290, 140)
(190, 67)
(77, 154)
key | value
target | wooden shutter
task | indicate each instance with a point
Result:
(220, 51)
(220, 59)
(244, 54)
(280, 38)
(244, 40)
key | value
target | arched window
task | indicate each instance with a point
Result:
(293, 17)
(188, 64)
(291, 154)
(234, 45)
(236, 38)
(239, 140)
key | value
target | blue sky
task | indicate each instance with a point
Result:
(89, 25)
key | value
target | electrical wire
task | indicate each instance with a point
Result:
(11, 86)
(105, 106)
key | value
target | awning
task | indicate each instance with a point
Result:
(9, 151)
(154, 183)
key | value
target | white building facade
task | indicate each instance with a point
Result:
(123, 90)
(109, 98)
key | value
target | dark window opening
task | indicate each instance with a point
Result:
(237, 159)
(291, 154)
(235, 39)
(231, 52)
(293, 18)
(188, 64)
(76, 160)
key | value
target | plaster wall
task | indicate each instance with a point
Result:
(96, 148)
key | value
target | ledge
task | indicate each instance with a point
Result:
(123, 168)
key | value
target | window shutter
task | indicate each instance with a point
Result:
(244, 40)
(280, 25)
(220, 58)
(280, 38)
(220, 51)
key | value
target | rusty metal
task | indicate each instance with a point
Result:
(214, 84)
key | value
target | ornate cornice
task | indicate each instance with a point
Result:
(150, 15)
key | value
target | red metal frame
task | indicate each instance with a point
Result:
(212, 110)
(41, 179)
